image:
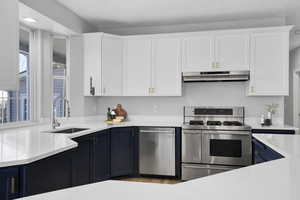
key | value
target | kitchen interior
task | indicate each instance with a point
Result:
(149, 99)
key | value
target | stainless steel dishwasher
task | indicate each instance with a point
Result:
(157, 151)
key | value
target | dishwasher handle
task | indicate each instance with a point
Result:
(156, 131)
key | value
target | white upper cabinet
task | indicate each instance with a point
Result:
(137, 66)
(166, 67)
(112, 65)
(151, 65)
(198, 54)
(232, 52)
(103, 63)
(269, 63)
(216, 51)
(92, 64)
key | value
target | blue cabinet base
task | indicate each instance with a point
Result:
(100, 156)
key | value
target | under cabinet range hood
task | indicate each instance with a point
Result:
(216, 76)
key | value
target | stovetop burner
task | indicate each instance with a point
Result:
(196, 122)
(232, 123)
(213, 123)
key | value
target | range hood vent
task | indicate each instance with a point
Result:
(216, 76)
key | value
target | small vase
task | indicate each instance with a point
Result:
(268, 120)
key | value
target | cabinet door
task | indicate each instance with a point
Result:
(269, 64)
(102, 156)
(9, 183)
(232, 52)
(92, 64)
(82, 160)
(166, 68)
(122, 152)
(49, 174)
(112, 64)
(137, 72)
(198, 54)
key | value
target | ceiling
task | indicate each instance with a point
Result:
(43, 22)
(133, 13)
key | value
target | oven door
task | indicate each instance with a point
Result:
(227, 148)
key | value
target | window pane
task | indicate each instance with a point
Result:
(59, 76)
(59, 94)
(23, 59)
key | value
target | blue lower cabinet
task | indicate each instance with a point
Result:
(82, 160)
(122, 149)
(49, 174)
(102, 156)
(263, 153)
(9, 183)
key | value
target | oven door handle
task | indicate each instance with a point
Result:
(196, 132)
(208, 167)
(217, 132)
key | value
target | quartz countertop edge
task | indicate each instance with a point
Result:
(25, 145)
(273, 180)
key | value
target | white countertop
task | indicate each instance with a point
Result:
(28, 144)
(274, 180)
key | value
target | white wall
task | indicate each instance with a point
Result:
(80, 105)
(234, 24)
(202, 94)
(46, 71)
(9, 44)
(292, 101)
(60, 14)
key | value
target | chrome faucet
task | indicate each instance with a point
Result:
(54, 120)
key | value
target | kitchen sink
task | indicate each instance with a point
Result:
(70, 130)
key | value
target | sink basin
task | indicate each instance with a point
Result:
(70, 130)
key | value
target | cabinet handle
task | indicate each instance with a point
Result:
(13, 185)
(92, 89)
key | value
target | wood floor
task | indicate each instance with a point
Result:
(151, 180)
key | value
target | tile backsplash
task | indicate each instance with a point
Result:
(201, 94)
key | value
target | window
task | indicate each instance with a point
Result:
(15, 105)
(59, 76)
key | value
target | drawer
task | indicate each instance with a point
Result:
(192, 171)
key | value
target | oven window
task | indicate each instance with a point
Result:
(226, 148)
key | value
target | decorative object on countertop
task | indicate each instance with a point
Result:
(262, 120)
(109, 117)
(271, 108)
(117, 115)
(113, 114)
(120, 111)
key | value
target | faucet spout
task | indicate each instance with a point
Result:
(54, 120)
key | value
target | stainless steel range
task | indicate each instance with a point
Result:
(214, 140)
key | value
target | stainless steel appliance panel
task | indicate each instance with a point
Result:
(227, 147)
(191, 146)
(192, 171)
(157, 151)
